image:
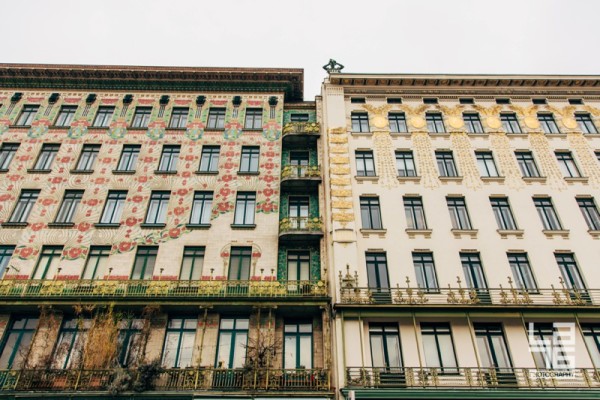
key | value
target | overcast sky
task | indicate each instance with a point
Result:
(462, 36)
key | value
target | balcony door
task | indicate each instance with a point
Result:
(377, 275)
(298, 264)
(298, 211)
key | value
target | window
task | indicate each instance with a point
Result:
(405, 163)
(17, 339)
(157, 208)
(357, 100)
(209, 162)
(547, 213)
(491, 346)
(244, 208)
(24, 205)
(527, 164)
(145, 260)
(179, 342)
(299, 118)
(68, 208)
(231, 347)
(179, 118)
(567, 164)
(473, 123)
(239, 263)
(425, 272)
(510, 123)
(586, 124)
(435, 123)
(591, 335)
(201, 208)
(216, 118)
(297, 345)
(141, 117)
(47, 265)
(169, 158)
(70, 346)
(27, 115)
(129, 157)
(7, 153)
(539, 101)
(466, 100)
(486, 164)
(439, 347)
(103, 117)
(503, 214)
(569, 270)
(298, 211)
(575, 101)
(397, 122)
(473, 270)
(249, 160)
(590, 212)
(115, 201)
(6, 253)
(394, 100)
(46, 157)
(298, 266)
(370, 213)
(597, 153)
(430, 100)
(365, 164)
(65, 116)
(88, 156)
(360, 122)
(377, 273)
(445, 162)
(129, 341)
(521, 270)
(503, 101)
(385, 347)
(550, 353)
(299, 158)
(96, 266)
(458, 213)
(253, 118)
(547, 122)
(191, 266)
(415, 213)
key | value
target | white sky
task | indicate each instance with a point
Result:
(462, 36)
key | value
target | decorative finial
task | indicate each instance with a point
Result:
(333, 67)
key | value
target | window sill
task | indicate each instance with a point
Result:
(98, 127)
(197, 226)
(456, 179)
(248, 173)
(137, 127)
(404, 179)
(556, 135)
(14, 224)
(123, 172)
(152, 226)
(82, 171)
(418, 232)
(517, 135)
(61, 224)
(504, 233)
(19, 126)
(368, 232)
(400, 134)
(531, 179)
(38, 171)
(464, 232)
(3, 170)
(361, 133)
(594, 234)
(206, 172)
(578, 179)
(106, 226)
(252, 129)
(59, 126)
(361, 179)
(238, 226)
(172, 128)
(439, 134)
(564, 233)
(478, 134)
(497, 179)
(161, 172)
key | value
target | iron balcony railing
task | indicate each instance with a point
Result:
(33, 288)
(300, 172)
(300, 224)
(472, 378)
(168, 380)
(302, 128)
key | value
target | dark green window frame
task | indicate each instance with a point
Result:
(298, 330)
(147, 256)
(20, 327)
(96, 256)
(240, 326)
(47, 256)
(240, 261)
(180, 326)
(195, 256)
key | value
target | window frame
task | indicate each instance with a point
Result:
(567, 164)
(114, 204)
(406, 159)
(234, 332)
(129, 158)
(68, 206)
(46, 157)
(435, 122)
(360, 122)
(414, 211)
(522, 272)
(204, 200)
(20, 214)
(397, 122)
(103, 117)
(181, 332)
(16, 351)
(446, 164)
(88, 157)
(7, 154)
(425, 272)
(589, 210)
(364, 160)
(527, 164)
(459, 213)
(192, 253)
(473, 123)
(503, 214)
(249, 160)
(149, 255)
(586, 123)
(211, 153)
(98, 255)
(548, 123)
(297, 335)
(169, 156)
(216, 118)
(179, 117)
(547, 214)
(245, 203)
(253, 119)
(48, 255)
(437, 330)
(65, 116)
(141, 117)
(160, 200)
(510, 120)
(27, 115)
(370, 212)
(486, 164)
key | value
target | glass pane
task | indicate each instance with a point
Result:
(186, 349)
(290, 352)
(306, 351)
(393, 348)
(240, 350)
(377, 352)
(446, 351)
(170, 351)
(431, 351)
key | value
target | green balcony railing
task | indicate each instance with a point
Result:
(301, 225)
(301, 172)
(302, 128)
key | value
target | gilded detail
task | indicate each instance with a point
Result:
(490, 116)
(343, 217)
(386, 164)
(507, 164)
(548, 165)
(529, 115)
(465, 161)
(424, 159)
(340, 181)
(339, 160)
(414, 115)
(587, 160)
(341, 193)
(379, 118)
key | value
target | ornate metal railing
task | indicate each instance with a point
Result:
(301, 224)
(300, 171)
(305, 128)
(168, 380)
(472, 378)
(10, 288)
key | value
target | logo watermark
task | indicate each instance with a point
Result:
(553, 347)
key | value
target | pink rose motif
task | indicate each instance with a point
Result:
(56, 180)
(186, 174)
(268, 192)
(137, 199)
(5, 197)
(227, 178)
(131, 221)
(92, 202)
(25, 252)
(179, 210)
(47, 202)
(37, 226)
(174, 233)
(83, 227)
(225, 192)
(124, 246)
(269, 178)
(223, 207)
(75, 252)
(182, 192)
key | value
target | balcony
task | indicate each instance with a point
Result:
(300, 176)
(301, 132)
(295, 229)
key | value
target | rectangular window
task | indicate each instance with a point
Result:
(239, 263)
(179, 118)
(157, 208)
(547, 213)
(591, 335)
(231, 347)
(415, 213)
(113, 208)
(299, 118)
(569, 271)
(299, 158)
(510, 123)
(445, 163)
(6, 253)
(298, 211)
(527, 164)
(103, 116)
(567, 164)
(244, 208)
(397, 122)
(435, 123)
(141, 117)
(16, 343)
(96, 266)
(365, 164)
(65, 116)
(46, 157)
(370, 213)
(145, 260)
(385, 347)
(169, 158)
(425, 271)
(27, 115)
(7, 153)
(69, 205)
(548, 340)
(129, 157)
(201, 208)
(492, 348)
(539, 101)
(590, 212)
(298, 266)
(179, 342)
(473, 123)
(458, 213)
(253, 118)
(24, 205)
(360, 122)
(486, 164)
(548, 123)
(70, 346)
(297, 345)
(586, 124)
(216, 118)
(47, 265)
(377, 272)
(521, 270)
(474, 275)
(439, 347)
(503, 213)
(405, 163)
(129, 341)
(209, 162)
(87, 158)
(249, 159)
(503, 101)
(191, 266)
